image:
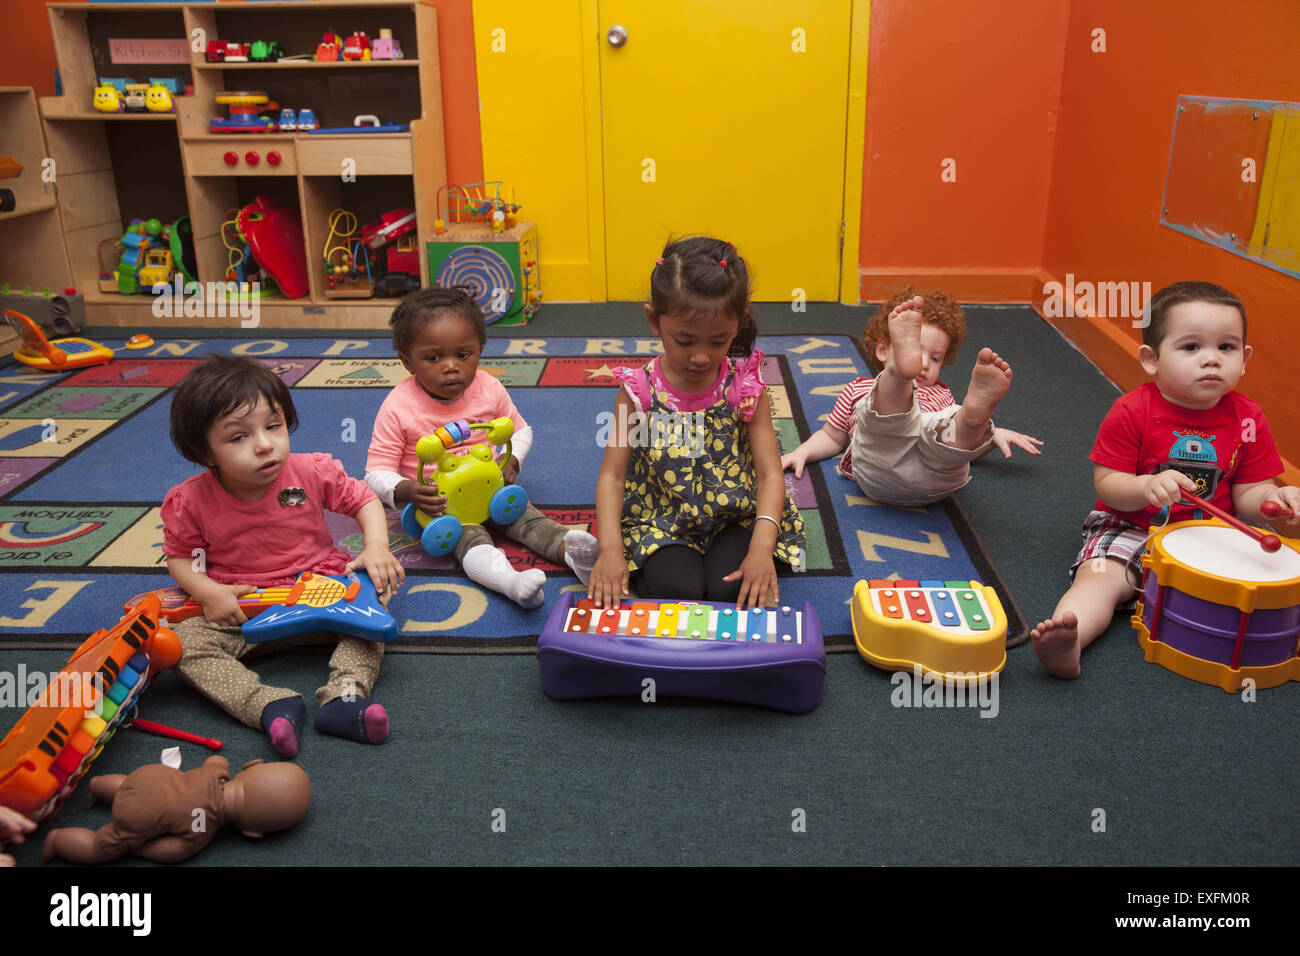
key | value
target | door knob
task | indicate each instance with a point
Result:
(617, 35)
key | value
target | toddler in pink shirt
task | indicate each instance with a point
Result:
(254, 519)
(439, 335)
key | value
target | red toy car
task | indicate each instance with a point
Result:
(357, 47)
(329, 48)
(388, 227)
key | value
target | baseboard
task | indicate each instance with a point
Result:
(975, 284)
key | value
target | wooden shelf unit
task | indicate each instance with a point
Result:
(388, 169)
(32, 252)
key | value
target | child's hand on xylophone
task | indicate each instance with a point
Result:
(757, 574)
(385, 571)
(13, 826)
(607, 585)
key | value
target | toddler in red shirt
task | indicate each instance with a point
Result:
(1185, 431)
(255, 519)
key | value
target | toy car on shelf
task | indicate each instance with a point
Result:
(356, 47)
(159, 268)
(135, 98)
(158, 99)
(264, 51)
(108, 100)
(329, 48)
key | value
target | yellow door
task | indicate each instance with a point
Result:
(1276, 236)
(726, 119)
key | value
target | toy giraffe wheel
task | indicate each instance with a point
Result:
(472, 483)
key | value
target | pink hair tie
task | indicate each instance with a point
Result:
(659, 261)
(723, 263)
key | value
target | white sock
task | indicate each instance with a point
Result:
(489, 567)
(580, 553)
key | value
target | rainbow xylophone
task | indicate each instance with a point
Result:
(54, 743)
(765, 656)
(955, 628)
(348, 605)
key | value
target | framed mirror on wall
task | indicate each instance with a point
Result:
(1234, 178)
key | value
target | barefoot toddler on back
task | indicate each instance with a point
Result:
(904, 439)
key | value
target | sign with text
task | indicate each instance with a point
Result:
(153, 50)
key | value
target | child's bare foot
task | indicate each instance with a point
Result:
(905, 337)
(989, 381)
(1056, 642)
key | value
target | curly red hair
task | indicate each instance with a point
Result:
(940, 310)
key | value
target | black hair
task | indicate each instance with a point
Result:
(219, 385)
(426, 305)
(699, 274)
(1178, 293)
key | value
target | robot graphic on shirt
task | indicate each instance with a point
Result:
(1195, 456)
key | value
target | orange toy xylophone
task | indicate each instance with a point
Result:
(54, 743)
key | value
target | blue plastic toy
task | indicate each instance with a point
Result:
(472, 484)
(348, 605)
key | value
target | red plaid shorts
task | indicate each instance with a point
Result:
(1109, 536)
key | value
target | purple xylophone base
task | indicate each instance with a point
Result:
(783, 676)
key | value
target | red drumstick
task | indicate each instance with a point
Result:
(1271, 510)
(1269, 542)
(162, 730)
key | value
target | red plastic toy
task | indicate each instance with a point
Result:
(331, 45)
(357, 47)
(275, 237)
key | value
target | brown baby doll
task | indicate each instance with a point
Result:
(167, 816)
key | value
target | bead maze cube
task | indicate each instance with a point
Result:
(501, 269)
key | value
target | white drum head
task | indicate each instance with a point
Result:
(1226, 552)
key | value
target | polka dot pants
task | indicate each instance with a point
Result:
(212, 657)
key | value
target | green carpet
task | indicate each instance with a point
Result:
(1184, 773)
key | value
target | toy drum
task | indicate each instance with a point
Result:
(1217, 608)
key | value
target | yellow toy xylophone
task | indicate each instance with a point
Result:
(954, 628)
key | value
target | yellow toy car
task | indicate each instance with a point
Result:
(108, 100)
(158, 99)
(159, 268)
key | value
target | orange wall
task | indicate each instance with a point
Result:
(1117, 114)
(977, 82)
(29, 61)
(29, 56)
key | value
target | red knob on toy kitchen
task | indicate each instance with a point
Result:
(273, 158)
(231, 158)
(251, 158)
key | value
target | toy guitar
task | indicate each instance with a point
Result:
(314, 602)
